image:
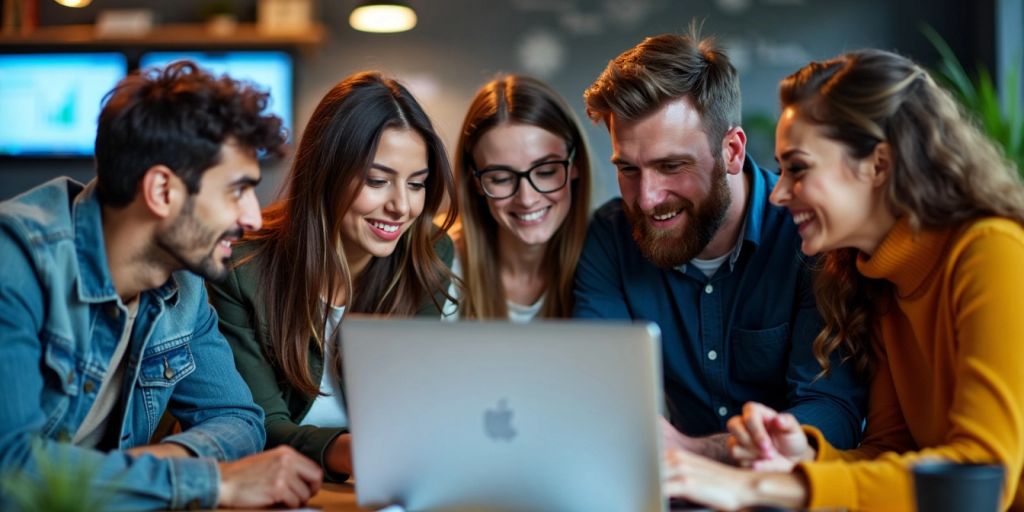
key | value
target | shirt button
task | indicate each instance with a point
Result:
(712, 355)
(88, 386)
(722, 411)
(113, 311)
(709, 289)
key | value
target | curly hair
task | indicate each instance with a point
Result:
(945, 172)
(179, 116)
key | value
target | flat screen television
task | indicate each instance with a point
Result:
(269, 70)
(49, 103)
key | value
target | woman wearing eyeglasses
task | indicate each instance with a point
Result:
(523, 169)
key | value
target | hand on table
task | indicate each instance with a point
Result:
(713, 447)
(764, 439)
(724, 487)
(702, 480)
(278, 476)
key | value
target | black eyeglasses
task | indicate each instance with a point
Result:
(501, 182)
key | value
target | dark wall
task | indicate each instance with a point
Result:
(459, 44)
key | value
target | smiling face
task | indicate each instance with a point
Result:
(199, 237)
(529, 216)
(391, 198)
(836, 200)
(673, 186)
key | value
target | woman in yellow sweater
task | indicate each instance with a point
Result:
(918, 217)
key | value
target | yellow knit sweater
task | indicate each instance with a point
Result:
(950, 367)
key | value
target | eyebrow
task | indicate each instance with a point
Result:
(791, 152)
(245, 180)
(550, 157)
(683, 157)
(384, 168)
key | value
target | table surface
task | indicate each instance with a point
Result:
(336, 498)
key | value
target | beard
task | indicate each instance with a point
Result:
(670, 248)
(189, 235)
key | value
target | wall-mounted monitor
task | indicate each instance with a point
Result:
(271, 71)
(49, 103)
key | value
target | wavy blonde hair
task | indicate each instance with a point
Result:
(523, 100)
(945, 172)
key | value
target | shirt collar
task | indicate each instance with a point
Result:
(753, 218)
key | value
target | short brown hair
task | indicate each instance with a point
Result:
(668, 67)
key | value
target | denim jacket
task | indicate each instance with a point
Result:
(60, 320)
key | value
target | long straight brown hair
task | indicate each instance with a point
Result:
(522, 100)
(300, 246)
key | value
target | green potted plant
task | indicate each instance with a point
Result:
(980, 96)
(59, 486)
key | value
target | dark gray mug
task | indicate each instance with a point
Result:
(948, 486)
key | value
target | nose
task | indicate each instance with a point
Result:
(526, 195)
(250, 219)
(782, 193)
(652, 191)
(398, 202)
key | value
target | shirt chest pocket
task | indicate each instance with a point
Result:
(759, 355)
(166, 367)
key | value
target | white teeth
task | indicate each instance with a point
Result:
(800, 218)
(226, 243)
(532, 216)
(666, 216)
(390, 228)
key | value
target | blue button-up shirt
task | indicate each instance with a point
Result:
(60, 321)
(744, 334)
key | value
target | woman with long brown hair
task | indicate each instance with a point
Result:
(523, 169)
(919, 218)
(352, 233)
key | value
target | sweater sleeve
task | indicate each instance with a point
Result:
(236, 308)
(986, 412)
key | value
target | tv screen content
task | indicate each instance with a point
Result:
(50, 103)
(271, 71)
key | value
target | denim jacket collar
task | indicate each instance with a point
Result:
(94, 281)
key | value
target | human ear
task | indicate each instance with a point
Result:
(881, 164)
(734, 149)
(161, 191)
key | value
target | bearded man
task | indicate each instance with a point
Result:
(694, 246)
(104, 320)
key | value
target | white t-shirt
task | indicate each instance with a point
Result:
(517, 313)
(329, 411)
(95, 424)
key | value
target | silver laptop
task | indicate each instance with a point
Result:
(495, 416)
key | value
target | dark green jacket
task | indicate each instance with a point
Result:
(235, 300)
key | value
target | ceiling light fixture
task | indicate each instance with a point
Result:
(73, 3)
(383, 17)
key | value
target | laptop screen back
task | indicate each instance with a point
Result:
(501, 416)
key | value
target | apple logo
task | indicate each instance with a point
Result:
(498, 422)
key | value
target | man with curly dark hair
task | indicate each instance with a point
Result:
(104, 320)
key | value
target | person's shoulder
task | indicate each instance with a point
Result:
(244, 269)
(43, 212)
(988, 226)
(999, 230)
(610, 214)
(444, 248)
